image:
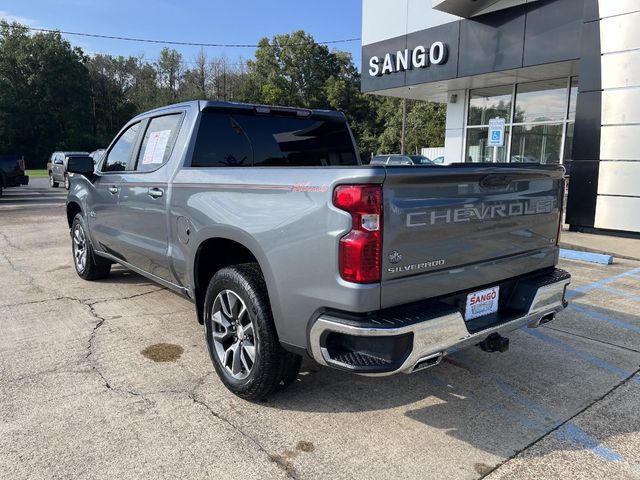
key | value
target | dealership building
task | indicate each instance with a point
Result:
(562, 77)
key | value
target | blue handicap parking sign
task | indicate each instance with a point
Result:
(495, 135)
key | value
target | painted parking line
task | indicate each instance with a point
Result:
(587, 357)
(533, 424)
(585, 288)
(569, 432)
(603, 285)
(619, 292)
(605, 318)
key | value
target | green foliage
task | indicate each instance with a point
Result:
(54, 97)
(44, 94)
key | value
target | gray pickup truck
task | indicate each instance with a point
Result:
(266, 219)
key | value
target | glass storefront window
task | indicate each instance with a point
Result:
(477, 149)
(568, 142)
(573, 98)
(541, 101)
(536, 143)
(543, 111)
(488, 103)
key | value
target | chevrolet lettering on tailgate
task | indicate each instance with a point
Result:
(483, 211)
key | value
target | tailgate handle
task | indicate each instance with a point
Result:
(496, 180)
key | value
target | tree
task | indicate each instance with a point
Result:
(44, 94)
(170, 68)
(197, 80)
(52, 96)
(291, 70)
(112, 81)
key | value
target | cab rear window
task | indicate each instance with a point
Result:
(241, 140)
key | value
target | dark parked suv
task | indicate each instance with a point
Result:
(57, 167)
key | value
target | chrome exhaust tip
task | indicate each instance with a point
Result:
(428, 362)
(547, 318)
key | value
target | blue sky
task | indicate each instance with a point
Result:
(213, 21)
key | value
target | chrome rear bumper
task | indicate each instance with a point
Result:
(432, 338)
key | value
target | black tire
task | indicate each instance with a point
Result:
(52, 182)
(67, 182)
(93, 267)
(273, 366)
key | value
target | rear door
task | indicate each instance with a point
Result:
(144, 236)
(448, 229)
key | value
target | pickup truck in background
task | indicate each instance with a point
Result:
(57, 167)
(266, 219)
(12, 172)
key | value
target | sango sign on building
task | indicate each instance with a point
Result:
(407, 59)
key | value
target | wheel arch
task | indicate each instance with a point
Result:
(73, 208)
(216, 253)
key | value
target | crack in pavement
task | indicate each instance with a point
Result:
(10, 243)
(286, 468)
(93, 364)
(560, 425)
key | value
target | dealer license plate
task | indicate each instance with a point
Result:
(483, 302)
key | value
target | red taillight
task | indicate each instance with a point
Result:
(361, 248)
(21, 165)
(563, 187)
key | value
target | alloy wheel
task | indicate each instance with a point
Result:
(234, 334)
(79, 248)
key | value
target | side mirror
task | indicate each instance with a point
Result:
(81, 165)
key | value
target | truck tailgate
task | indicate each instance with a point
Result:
(448, 229)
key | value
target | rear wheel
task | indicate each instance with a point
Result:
(241, 336)
(52, 182)
(88, 265)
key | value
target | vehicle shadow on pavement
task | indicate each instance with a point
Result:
(497, 403)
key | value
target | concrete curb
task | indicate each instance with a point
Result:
(586, 256)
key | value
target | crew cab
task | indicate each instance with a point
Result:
(289, 247)
(12, 172)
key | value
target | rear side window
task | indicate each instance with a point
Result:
(293, 142)
(157, 142)
(241, 139)
(118, 157)
(221, 143)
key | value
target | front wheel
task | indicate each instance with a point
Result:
(88, 265)
(52, 182)
(241, 336)
(67, 182)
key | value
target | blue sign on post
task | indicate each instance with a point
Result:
(496, 132)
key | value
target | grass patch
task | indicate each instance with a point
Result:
(37, 173)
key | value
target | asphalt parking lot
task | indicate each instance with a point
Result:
(88, 390)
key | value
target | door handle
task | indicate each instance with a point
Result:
(154, 192)
(113, 189)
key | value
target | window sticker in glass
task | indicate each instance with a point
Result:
(156, 145)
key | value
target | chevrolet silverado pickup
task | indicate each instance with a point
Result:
(289, 247)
